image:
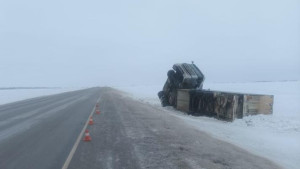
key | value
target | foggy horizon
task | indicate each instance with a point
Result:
(117, 43)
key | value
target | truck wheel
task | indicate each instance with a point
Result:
(171, 77)
(160, 94)
(163, 99)
(171, 73)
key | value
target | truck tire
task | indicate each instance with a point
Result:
(163, 99)
(160, 94)
(171, 76)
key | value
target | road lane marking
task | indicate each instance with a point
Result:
(72, 152)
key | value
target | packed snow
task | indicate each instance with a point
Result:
(276, 136)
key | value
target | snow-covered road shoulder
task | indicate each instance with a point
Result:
(264, 135)
(276, 137)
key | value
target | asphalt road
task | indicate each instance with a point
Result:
(40, 133)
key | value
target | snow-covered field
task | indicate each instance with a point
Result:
(276, 137)
(8, 96)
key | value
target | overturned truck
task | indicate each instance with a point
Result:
(184, 91)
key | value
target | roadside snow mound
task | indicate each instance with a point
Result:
(275, 136)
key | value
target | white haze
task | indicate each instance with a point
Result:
(96, 43)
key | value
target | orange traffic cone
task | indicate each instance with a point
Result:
(91, 121)
(87, 136)
(97, 111)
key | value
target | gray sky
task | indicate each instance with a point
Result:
(133, 42)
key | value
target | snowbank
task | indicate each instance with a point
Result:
(276, 137)
(146, 94)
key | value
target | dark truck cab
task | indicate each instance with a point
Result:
(183, 76)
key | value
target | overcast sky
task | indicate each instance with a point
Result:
(135, 42)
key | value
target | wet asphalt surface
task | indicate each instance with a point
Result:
(39, 134)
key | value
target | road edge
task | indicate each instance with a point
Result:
(72, 152)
